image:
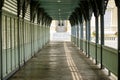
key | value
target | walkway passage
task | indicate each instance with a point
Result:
(59, 61)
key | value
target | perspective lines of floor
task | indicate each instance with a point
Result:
(59, 61)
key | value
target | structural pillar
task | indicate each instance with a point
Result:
(1, 67)
(31, 37)
(77, 35)
(71, 33)
(102, 12)
(23, 29)
(119, 43)
(102, 38)
(81, 36)
(97, 36)
(88, 37)
(74, 34)
(18, 38)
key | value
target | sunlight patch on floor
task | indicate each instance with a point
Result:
(73, 68)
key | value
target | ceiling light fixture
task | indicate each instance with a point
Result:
(59, 1)
(59, 9)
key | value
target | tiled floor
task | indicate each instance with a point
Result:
(59, 61)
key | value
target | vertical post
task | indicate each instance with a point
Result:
(18, 39)
(37, 36)
(15, 42)
(11, 42)
(77, 35)
(102, 38)
(118, 43)
(71, 33)
(6, 43)
(18, 30)
(49, 33)
(42, 34)
(23, 29)
(97, 36)
(82, 34)
(31, 30)
(45, 35)
(102, 12)
(1, 56)
(88, 37)
(1, 68)
(33, 38)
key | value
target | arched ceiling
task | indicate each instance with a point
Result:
(59, 9)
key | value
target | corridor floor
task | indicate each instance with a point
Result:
(59, 61)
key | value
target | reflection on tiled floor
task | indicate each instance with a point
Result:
(59, 61)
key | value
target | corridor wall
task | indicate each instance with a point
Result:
(21, 38)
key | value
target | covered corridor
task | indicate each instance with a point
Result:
(27, 53)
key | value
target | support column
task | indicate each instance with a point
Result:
(97, 36)
(40, 36)
(77, 35)
(1, 58)
(1, 67)
(88, 37)
(74, 34)
(31, 30)
(49, 33)
(81, 36)
(102, 12)
(42, 28)
(18, 40)
(71, 33)
(45, 34)
(118, 43)
(102, 38)
(33, 38)
(23, 29)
